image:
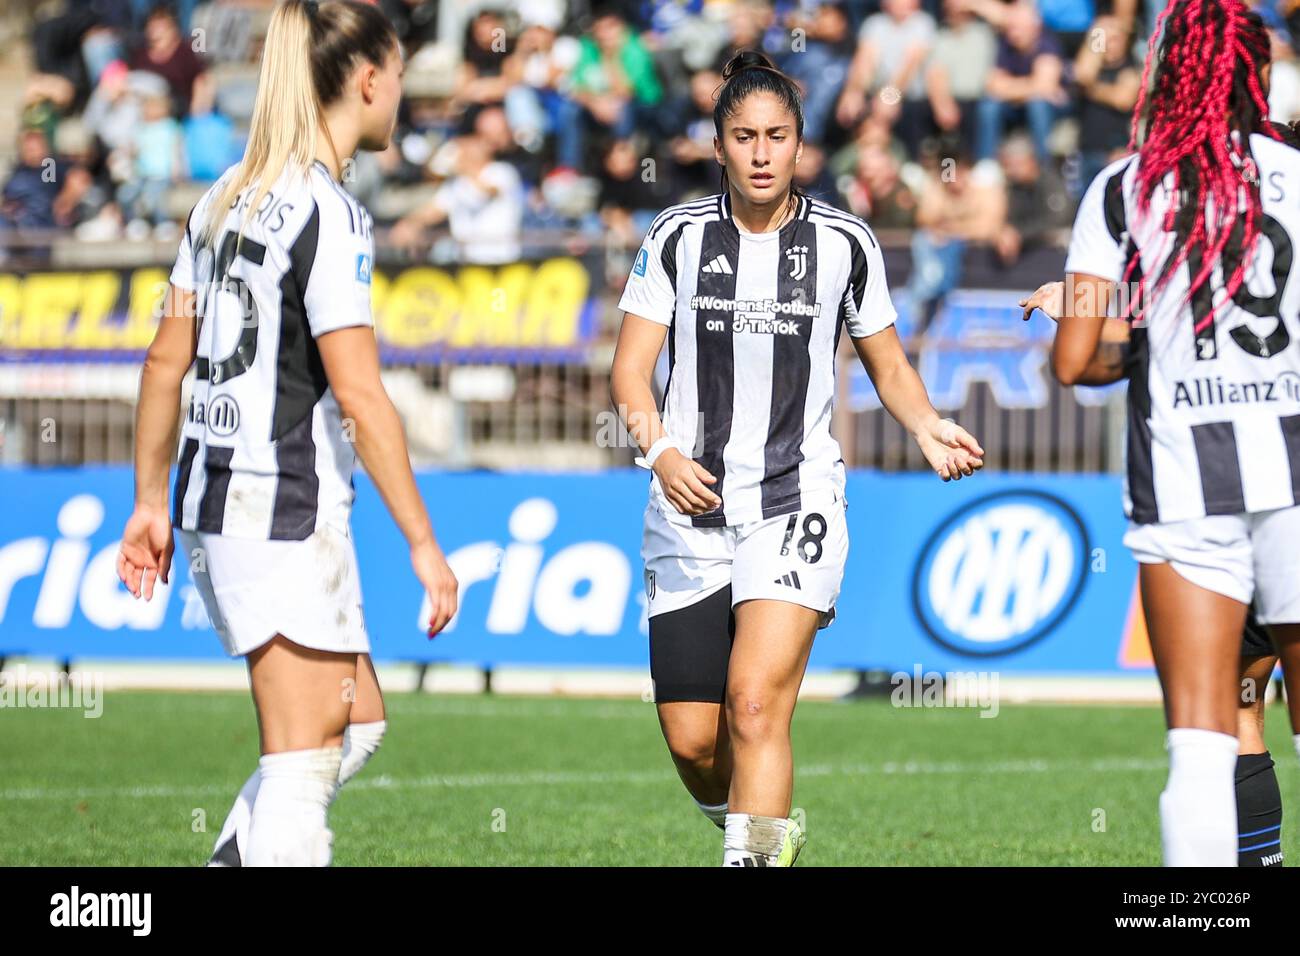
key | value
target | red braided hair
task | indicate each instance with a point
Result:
(1206, 89)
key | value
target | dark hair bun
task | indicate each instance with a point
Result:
(744, 60)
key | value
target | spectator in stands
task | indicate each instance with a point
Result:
(747, 28)
(886, 77)
(694, 165)
(167, 52)
(1068, 20)
(1037, 202)
(1025, 82)
(543, 60)
(963, 54)
(959, 204)
(481, 199)
(158, 163)
(1109, 81)
(876, 191)
(487, 47)
(415, 22)
(61, 81)
(491, 123)
(613, 89)
(41, 192)
(627, 203)
(113, 111)
(821, 66)
(813, 175)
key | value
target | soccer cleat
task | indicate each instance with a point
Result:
(794, 841)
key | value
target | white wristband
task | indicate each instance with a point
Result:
(655, 451)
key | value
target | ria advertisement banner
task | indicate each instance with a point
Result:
(1013, 573)
(542, 309)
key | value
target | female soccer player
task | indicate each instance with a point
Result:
(745, 536)
(1201, 224)
(270, 300)
(1259, 799)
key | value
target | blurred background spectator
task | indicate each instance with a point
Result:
(535, 122)
(1109, 79)
(1025, 85)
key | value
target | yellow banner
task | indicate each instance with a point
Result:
(418, 310)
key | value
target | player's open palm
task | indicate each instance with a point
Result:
(685, 483)
(951, 450)
(145, 554)
(435, 575)
(1049, 297)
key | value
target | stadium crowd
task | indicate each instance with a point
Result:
(964, 123)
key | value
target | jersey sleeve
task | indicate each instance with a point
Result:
(868, 308)
(338, 287)
(1096, 246)
(651, 290)
(183, 271)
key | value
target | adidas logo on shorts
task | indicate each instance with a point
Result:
(790, 580)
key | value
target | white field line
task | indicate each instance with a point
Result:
(570, 779)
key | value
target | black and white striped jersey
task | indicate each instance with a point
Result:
(263, 449)
(1213, 416)
(754, 320)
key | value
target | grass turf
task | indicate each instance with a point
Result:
(550, 781)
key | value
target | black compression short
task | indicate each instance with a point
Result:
(690, 649)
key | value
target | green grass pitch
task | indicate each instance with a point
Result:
(556, 781)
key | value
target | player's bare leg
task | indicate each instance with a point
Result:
(1255, 675)
(1196, 642)
(364, 733)
(768, 658)
(304, 698)
(697, 738)
(1286, 637)
(1259, 801)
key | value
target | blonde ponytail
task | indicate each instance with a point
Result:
(286, 116)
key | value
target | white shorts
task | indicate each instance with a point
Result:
(1245, 557)
(797, 557)
(309, 590)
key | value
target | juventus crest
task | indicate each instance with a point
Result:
(798, 256)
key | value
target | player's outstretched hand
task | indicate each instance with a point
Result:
(684, 481)
(435, 575)
(951, 450)
(1050, 298)
(146, 551)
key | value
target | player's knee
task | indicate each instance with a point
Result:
(750, 716)
(695, 748)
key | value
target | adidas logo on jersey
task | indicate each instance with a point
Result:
(790, 580)
(719, 265)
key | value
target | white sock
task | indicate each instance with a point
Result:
(236, 825)
(752, 840)
(716, 812)
(1198, 808)
(360, 741)
(289, 815)
(1296, 740)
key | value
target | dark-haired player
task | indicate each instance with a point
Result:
(745, 535)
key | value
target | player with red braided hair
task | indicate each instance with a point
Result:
(1190, 147)
(1190, 246)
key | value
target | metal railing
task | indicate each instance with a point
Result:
(549, 414)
